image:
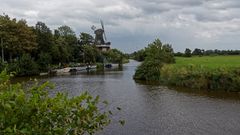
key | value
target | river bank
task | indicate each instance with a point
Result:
(201, 77)
(202, 73)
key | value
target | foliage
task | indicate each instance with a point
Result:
(33, 111)
(139, 55)
(148, 70)
(201, 77)
(90, 54)
(70, 39)
(156, 55)
(44, 37)
(48, 49)
(86, 38)
(115, 56)
(44, 62)
(60, 51)
(27, 66)
(188, 53)
(202, 52)
(198, 52)
(220, 52)
(178, 54)
(18, 37)
(23, 66)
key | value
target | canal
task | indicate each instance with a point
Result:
(150, 109)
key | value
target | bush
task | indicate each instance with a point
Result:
(27, 66)
(33, 111)
(24, 66)
(149, 71)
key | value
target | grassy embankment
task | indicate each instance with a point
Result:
(208, 72)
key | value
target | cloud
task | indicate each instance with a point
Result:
(132, 24)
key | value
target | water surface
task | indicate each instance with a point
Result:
(154, 109)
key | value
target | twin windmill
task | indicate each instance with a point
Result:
(101, 38)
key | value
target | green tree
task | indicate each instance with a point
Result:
(198, 52)
(139, 55)
(18, 37)
(61, 51)
(114, 56)
(89, 54)
(71, 40)
(26, 37)
(86, 38)
(44, 62)
(168, 53)
(44, 37)
(157, 54)
(188, 52)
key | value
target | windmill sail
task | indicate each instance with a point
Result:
(105, 37)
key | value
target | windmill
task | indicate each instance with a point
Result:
(101, 38)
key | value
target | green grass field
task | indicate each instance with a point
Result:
(207, 73)
(210, 61)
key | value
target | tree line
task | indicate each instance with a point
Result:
(201, 52)
(141, 54)
(28, 50)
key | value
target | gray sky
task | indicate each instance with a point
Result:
(132, 24)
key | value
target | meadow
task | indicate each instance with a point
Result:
(207, 72)
(210, 61)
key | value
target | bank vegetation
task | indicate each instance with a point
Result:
(198, 72)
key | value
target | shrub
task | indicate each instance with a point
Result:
(23, 66)
(27, 66)
(148, 71)
(33, 111)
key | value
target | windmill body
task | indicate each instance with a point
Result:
(100, 35)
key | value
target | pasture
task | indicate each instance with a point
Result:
(207, 73)
(209, 61)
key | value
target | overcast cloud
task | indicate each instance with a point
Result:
(131, 24)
